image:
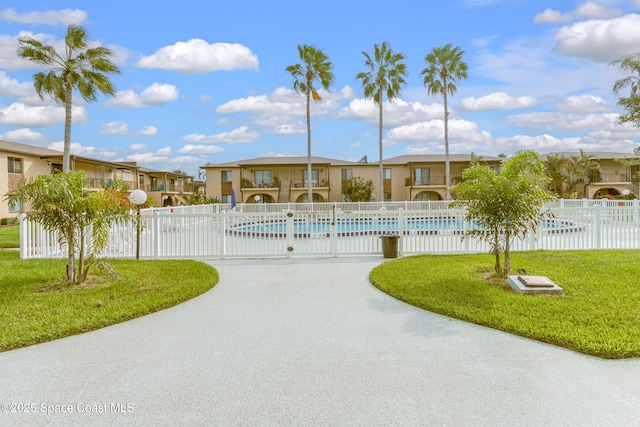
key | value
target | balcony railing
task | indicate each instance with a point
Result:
(610, 177)
(261, 183)
(171, 188)
(433, 180)
(314, 184)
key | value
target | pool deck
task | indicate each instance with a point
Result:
(309, 342)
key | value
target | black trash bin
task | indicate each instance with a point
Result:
(390, 245)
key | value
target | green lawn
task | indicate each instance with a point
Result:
(36, 305)
(9, 236)
(598, 315)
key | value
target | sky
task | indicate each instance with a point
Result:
(205, 81)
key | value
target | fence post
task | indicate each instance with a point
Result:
(222, 234)
(155, 221)
(24, 243)
(333, 232)
(597, 226)
(401, 219)
(290, 231)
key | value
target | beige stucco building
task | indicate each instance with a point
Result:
(284, 179)
(20, 162)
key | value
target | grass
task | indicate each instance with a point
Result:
(36, 305)
(10, 236)
(598, 315)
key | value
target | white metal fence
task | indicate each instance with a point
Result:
(342, 229)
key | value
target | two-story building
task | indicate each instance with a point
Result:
(284, 179)
(612, 174)
(20, 162)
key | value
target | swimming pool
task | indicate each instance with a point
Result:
(372, 226)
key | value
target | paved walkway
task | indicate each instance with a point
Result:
(310, 342)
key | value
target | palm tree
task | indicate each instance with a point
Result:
(579, 168)
(554, 166)
(445, 68)
(77, 67)
(384, 77)
(629, 64)
(314, 65)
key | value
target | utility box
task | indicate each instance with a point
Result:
(390, 246)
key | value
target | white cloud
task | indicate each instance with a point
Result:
(156, 94)
(241, 135)
(432, 131)
(395, 113)
(197, 56)
(164, 151)
(550, 16)
(201, 149)
(114, 128)
(19, 114)
(600, 40)
(144, 158)
(50, 17)
(11, 88)
(138, 147)
(23, 135)
(497, 101)
(547, 143)
(280, 112)
(582, 104)
(148, 131)
(591, 10)
(80, 150)
(563, 122)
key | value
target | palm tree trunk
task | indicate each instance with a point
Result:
(71, 256)
(381, 192)
(66, 154)
(309, 183)
(447, 167)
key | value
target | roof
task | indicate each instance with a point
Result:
(600, 155)
(437, 158)
(284, 160)
(33, 150)
(27, 149)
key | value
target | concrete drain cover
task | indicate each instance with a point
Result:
(534, 285)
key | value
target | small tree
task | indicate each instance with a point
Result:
(504, 205)
(357, 190)
(61, 203)
(199, 199)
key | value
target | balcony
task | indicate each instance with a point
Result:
(261, 183)
(170, 188)
(314, 184)
(424, 182)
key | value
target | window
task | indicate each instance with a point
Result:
(225, 176)
(16, 206)
(314, 177)
(141, 180)
(263, 178)
(15, 165)
(226, 198)
(347, 174)
(386, 173)
(56, 167)
(421, 176)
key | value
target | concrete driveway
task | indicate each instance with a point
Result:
(309, 342)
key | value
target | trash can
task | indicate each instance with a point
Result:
(390, 246)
